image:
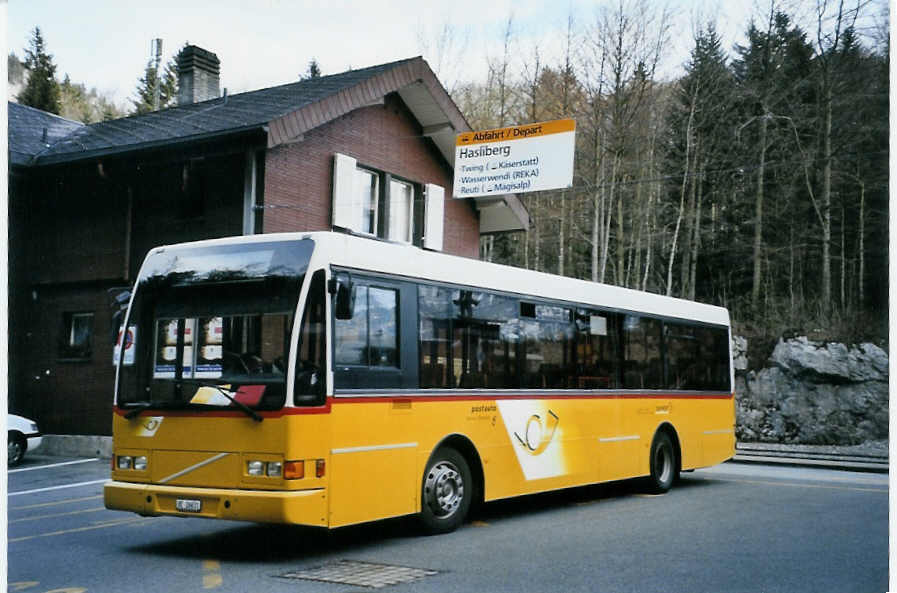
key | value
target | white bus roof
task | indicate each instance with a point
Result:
(384, 257)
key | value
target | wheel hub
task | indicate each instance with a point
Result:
(444, 489)
(13, 451)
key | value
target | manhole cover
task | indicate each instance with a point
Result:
(361, 574)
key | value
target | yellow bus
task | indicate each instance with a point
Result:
(326, 379)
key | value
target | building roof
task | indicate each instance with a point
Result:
(26, 132)
(284, 113)
(287, 111)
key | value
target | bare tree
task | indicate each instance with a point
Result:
(626, 44)
(828, 43)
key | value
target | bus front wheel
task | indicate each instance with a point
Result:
(446, 492)
(664, 465)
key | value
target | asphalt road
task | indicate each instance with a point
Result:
(736, 527)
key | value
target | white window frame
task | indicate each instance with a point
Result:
(396, 206)
(370, 202)
(348, 204)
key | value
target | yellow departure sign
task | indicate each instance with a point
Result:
(515, 159)
(558, 126)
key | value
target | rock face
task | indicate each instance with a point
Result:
(815, 393)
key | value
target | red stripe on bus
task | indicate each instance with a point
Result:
(325, 409)
(492, 397)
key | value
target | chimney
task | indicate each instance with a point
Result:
(198, 72)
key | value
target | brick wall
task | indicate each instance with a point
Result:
(76, 221)
(66, 396)
(299, 176)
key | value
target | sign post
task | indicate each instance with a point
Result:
(516, 159)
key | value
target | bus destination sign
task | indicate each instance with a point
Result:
(516, 159)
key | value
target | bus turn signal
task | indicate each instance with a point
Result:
(294, 470)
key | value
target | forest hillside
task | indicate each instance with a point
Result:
(758, 180)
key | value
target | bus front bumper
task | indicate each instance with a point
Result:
(302, 507)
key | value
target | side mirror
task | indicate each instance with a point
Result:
(341, 286)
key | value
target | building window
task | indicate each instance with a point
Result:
(385, 206)
(367, 188)
(376, 203)
(401, 211)
(77, 335)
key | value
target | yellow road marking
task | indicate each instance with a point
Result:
(34, 518)
(69, 590)
(211, 581)
(56, 503)
(22, 585)
(479, 524)
(797, 485)
(77, 529)
(212, 577)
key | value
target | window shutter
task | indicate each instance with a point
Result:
(344, 214)
(434, 216)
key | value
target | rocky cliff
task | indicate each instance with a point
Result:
(813, 393)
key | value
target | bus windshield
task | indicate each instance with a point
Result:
(210, 326)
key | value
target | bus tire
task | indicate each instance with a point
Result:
(446, 492)
(664, 465)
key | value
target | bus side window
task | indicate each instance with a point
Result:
(683, 361)
(371, 337)
(715, 356)
(377, 347)
(468, 339)
(643, 367)
(311, 360)
(597, 349)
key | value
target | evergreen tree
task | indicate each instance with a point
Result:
(774, 125)
(700, 129)
(87, 106)
(42, 90)
(15, 69)
(313, 71)
(146, 88)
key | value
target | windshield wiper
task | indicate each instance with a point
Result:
(226, 393)
(137, 409)
(141, 406)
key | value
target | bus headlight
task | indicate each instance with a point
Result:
(125, 462)
(275, 469)
(140, 463)
(255, 468)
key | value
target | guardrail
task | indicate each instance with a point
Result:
(808, 455)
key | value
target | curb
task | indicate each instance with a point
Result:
(65, 445)
(852, 466)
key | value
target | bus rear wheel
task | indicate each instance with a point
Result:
(446, 492)
(664, 465)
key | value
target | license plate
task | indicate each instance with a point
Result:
(185, 505)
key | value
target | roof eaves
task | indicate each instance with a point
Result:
(59, 158)
(381, 81)
(46, 114)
